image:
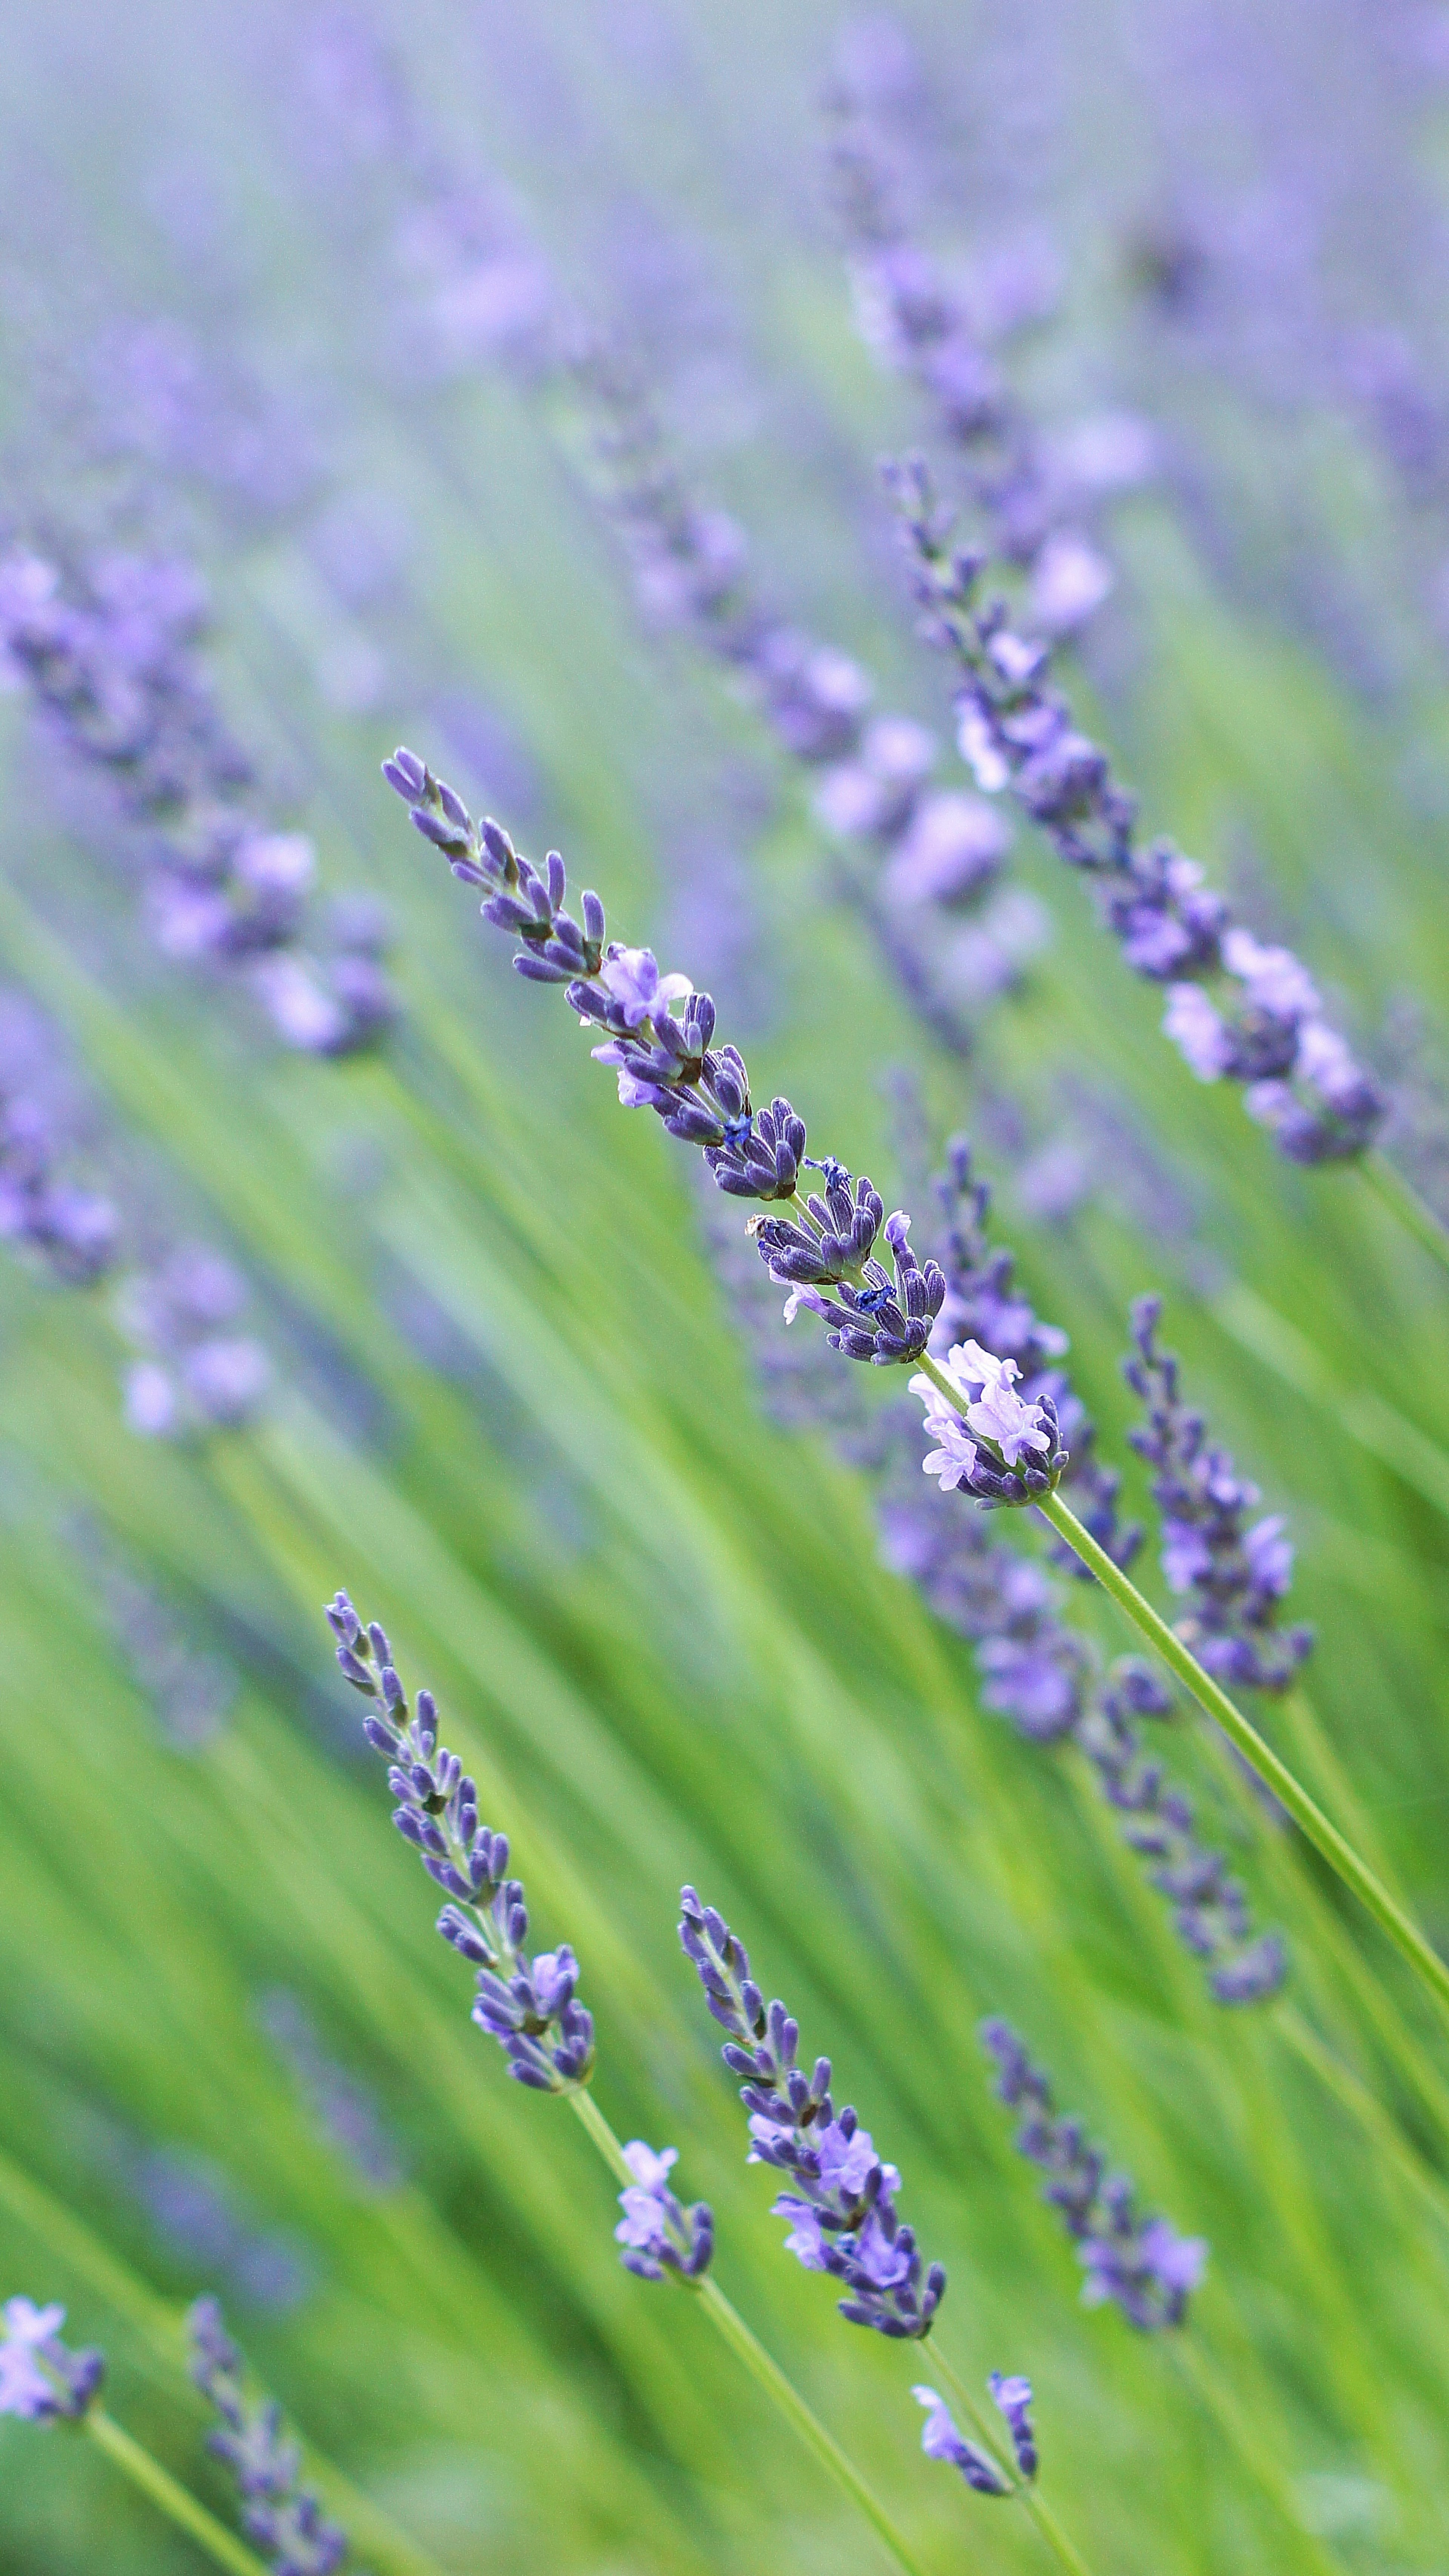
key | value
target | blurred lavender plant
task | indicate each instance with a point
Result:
(40, 2380)
(343, 2108)
(841, 2206)
(72, 1230)
(1234, 1577)
(190, 1688)
(196, 1374)
(204, 2227)
(946, 333)
(1038, 1670)
(941, 2439)
(1141, 2264)
(1301, 1080)
(279, 2513)
(929, 895)
(106, 646)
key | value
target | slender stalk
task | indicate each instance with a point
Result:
(1347, 2088)
(1306, 1813)
(762, 2365)
(1377, 1426)
(1036, 2504)
(1402, 1199)
(174, 2500)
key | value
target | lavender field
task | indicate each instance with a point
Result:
(724, 1267)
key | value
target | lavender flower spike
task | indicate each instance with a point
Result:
(41, 2381)
(281, 2515)
(1234, 1577)
(941, 2440)
(1263, 1025)
(842, 2206)
(1016, 1454)
(1141, 2264)
(526, 2002)
(655, 2234)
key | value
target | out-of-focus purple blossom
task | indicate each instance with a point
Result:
(197, 1375)
(341, 2105)
(190, 1688)
(841, 2204)
(40, 2381)
(1141, 2264)
(912, 850)
(72, 1230)
(942, 2440)
(946, 333)
(528, 2004)
(1262, 1024)
(1235, 1573)
(655, 2235)
(282, 2516)
(108, 649)
(198, 2216)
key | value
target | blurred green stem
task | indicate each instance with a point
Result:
(1402, 1199)
(747, 2347)
(1036, 2505)
(1306, 1813)
(174, 2500)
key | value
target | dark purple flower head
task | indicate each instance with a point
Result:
(1013, 2397)
(841, 2200)
(527, 2003)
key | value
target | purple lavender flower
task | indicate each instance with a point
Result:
(73, 1230)
(1141, 2264)
(945, 332)
(528, 2004)
(1012, 2396)
(341, 2105)
(1235, 1576)
(841, 2206)
(655, 2234)
(940, 2440)
(1263, 1024)
(40, 2380)
(279, 2513)
(197, 1374)
(107, 648)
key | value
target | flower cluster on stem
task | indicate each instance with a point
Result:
(841, 2203)
(1140, 2264)
(284, 2517)
(1235, 1572)
(1037, 1669)
(1263, 1025)
(73, 1231)
(526, 2001)
(107, 647)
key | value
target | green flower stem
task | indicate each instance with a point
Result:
(761, 2365)
(174, 2500)
(1204, 2380)
(1064, 2550)
(1306, 1813)
(1365, 1416)
(1395, 1193)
